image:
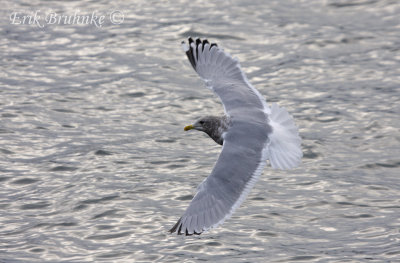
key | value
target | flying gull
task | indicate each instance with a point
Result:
(250, 133)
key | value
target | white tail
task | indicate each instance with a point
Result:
(284, 149)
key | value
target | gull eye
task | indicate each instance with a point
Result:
(201, 122)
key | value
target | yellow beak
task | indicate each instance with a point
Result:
(189, 127)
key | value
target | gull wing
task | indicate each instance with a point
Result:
(238, 167)
(223, 75)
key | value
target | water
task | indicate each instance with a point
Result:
(95, 165)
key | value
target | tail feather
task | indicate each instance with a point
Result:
(285, 143)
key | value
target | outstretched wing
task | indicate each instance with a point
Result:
(238, 167)
(223, 75)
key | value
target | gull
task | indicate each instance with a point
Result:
(250, 133)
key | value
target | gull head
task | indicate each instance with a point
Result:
(212, 125)
(205, 124)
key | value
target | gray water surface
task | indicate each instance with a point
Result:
(95, 165)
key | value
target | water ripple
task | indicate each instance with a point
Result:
(95, 165)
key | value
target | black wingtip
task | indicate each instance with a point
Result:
(205, 41)
(190, 52)
(179, 230)
(173, 229)
(194, 233)
(198, 41)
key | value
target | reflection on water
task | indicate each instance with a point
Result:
(96, 167)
